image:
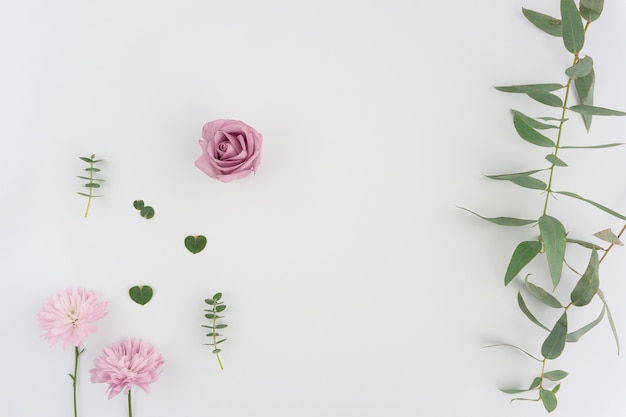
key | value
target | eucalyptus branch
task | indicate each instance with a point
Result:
(553, 240)
(92, 182)
(213, 314)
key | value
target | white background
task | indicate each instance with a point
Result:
(354, 285)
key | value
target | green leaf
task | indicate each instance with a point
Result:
(610, 317)
(522, 305)
(555, 342)
(141, 294)
(608, 236)
(213, 334)
(85, 195)
(590, 10)
(522, 255)
(534, 123)
(138, 204)
(92, 185)
(573, 31)
(220, 341)
(536, 382)
(555, 160)
(216, 351)
(576, 335)
(548, 24)
(92, 169)
(529, 134)
(217, 296)
(555, 375)
(554, 241)
(581, 68)
(220, 308)
(588, 284)
(522, 180)
(86, 159)
(606, 145)
(503, 221)
(593, 203)
(584, 88)
(584, 244)
(548, 99)
(530, 88)
(221, 326)
(88, 179)
(514, 347)
(596, 111)
(556, 388)
(147, 212)
(211, 316)
(195, 244)
(548, 399)
(209, 301)
(542, 295)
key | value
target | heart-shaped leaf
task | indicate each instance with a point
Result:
(138, 204)
(195, 244)
(141, 294)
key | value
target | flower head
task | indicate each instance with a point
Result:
(69, 316)
(124, 365)
(230, 149)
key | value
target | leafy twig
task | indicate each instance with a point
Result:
(93, 182)
(216, 307)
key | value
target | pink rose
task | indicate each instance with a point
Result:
(230, 149)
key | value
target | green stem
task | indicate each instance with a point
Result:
(75, 377)
(215, 336)
(130, 408)
(90, 188)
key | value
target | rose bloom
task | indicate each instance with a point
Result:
(124, 365)
(69, 316)
(230, 149)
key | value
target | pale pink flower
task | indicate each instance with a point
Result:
(124, 365)
(69, 316)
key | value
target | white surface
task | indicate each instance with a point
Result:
(354, 285)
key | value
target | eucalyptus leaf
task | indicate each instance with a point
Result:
(88, 160)
(609, 316)
(573, 31)
(92, 185)
(581, 68)
(555, 375)
(575, 336)
(548, 398)
(606, 145)
(91, 169)
(548, 24)
(595, 111)
(548, 99)
(522, 305)
(588, 284)
(584, 244)
(522, 180)
(591, 10)
(593, 203)
(542, 295)
(555, 342)
(585, 88)
(554, 241)
(503, 221)
(220, 308)
(522, 255)
(526, 132)
(608, 236)
(221, 326)
(217, 296)
(555, 160)
(531, 88)
(536, 124)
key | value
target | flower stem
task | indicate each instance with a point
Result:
(215, 336)
(130, 409)
(75, 377)
(90, 188)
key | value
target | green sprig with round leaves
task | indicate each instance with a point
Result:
(212, 314)
(92, 181)
(554, 238)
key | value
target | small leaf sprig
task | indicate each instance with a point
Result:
(93, 182)
(213, 314)
(553, 238)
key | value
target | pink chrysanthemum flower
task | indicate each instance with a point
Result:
(124, 365)
(69, 316)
